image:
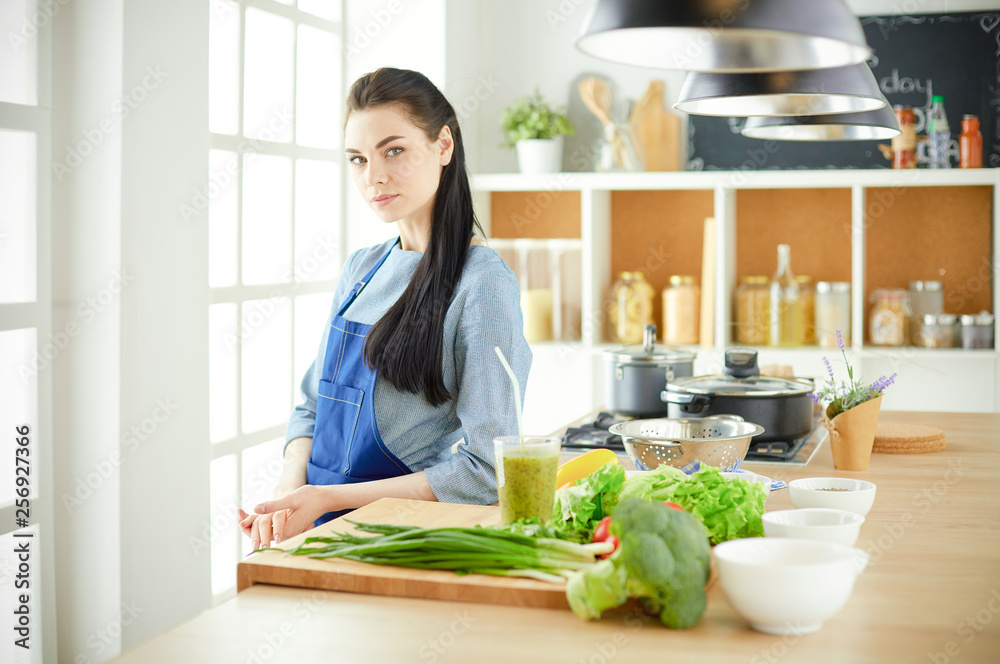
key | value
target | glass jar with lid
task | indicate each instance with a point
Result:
(807, 300)
(926, 297)
(630, 308)
(833, 312)
(938, 331)
(977, 330)
(753, 310)
(889, 318)
(681, 310)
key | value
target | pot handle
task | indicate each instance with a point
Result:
(694, 403)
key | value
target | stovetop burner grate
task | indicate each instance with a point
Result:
(595, 435)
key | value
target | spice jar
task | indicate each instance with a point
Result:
(889, 318)
(681, 310)
(977, 330)
(753, 311)
(938, 331)
(904, 146)
(630, 308)
(807, 300)
(926, 297)
(833, 312)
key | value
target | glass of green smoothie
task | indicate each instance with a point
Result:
(526, 476)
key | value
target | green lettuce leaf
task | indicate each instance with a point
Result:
(579, 508)
(729, 509)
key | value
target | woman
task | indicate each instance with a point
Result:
(406, 367)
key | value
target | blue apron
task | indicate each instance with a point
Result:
(347, 446)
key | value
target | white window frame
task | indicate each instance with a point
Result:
(241, 293)
(37, 314)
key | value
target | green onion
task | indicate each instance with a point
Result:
(462, 550)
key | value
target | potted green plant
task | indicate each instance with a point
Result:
(536, 130)
(851, 415)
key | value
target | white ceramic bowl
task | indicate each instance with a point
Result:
(839, 493)
(815, 523)
(787, 586)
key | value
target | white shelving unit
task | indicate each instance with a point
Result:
(930, 379)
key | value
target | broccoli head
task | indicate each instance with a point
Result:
(662, 560)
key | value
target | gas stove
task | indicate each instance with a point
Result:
(595, 435)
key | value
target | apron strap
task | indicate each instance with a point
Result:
(358, 287)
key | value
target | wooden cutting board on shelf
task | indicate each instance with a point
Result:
(656, 130)
(277, 568)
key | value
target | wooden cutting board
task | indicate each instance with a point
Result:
(276, 568)
(657, 130)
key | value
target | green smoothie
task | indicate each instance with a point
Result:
(528, 483)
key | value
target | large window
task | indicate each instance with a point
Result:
(27, 345)
(276, 90)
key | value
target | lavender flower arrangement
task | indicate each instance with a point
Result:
(847, 394)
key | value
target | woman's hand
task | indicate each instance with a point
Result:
(262, 528)
(286, 516)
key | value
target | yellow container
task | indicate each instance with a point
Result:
(630, 308)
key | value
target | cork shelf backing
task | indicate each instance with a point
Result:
(660, 233)
(815, 223)
(931, 233)
(535, 214)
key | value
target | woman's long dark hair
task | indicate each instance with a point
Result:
(406, 345)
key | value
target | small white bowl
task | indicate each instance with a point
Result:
(815, 523)
(787, 586)
(839, 493)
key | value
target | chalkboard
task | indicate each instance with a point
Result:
(915, 56)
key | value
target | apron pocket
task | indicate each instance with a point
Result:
(337, 411)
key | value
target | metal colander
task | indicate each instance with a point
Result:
(721, 441)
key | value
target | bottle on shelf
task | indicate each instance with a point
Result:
(904, 146)
(889, 319)
(939, 134)
(970, 143)
(630, 308)
(786, 304)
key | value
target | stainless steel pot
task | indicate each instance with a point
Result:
(782, 406)
(634, 376)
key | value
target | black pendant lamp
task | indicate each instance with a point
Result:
(725, 35)
(871, 126)
(849, 89)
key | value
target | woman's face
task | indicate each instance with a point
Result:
(395, 167)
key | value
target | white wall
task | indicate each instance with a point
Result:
(130, 396)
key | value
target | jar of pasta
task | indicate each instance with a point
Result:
(807, 298)
(630, 308)
(889, 318)
(753, 311)
(681, 310)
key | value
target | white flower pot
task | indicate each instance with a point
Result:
(540, 155)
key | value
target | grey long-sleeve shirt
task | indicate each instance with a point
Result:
(485, 312)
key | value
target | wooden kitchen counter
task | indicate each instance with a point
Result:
(930, 594)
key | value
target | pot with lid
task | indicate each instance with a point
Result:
(781, 405)
(634, 376)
